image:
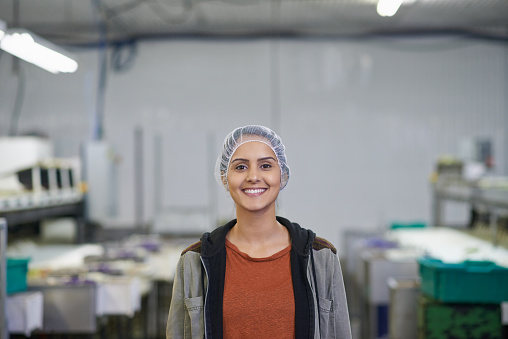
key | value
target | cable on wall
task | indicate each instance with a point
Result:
(17, 70)
(98, 127)
(123, 56)
(274, 87)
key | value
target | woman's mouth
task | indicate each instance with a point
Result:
(254, 190)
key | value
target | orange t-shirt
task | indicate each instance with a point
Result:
(258, 295)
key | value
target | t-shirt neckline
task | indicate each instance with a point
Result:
(274, 256)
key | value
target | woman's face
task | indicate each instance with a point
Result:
(254, 177)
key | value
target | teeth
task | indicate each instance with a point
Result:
(254, 191)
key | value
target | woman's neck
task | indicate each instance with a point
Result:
(258, 234)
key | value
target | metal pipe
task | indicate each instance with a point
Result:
(436, 208)
(493, 227)
(275, 104)
(4, 333)
(158, 174)
(139, 187)
(213, 208)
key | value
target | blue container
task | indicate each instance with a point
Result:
(466, 282)
(410, 225)
(16, 274)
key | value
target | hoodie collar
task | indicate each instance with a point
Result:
(301, 238)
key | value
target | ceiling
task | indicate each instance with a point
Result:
(90, 21)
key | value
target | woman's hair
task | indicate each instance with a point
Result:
(240, 136)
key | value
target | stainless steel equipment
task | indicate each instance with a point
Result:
(403, 308)
(69, 308)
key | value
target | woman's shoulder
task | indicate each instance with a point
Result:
(302, 236)
(210, 240)
(321, 244)
(196, 248)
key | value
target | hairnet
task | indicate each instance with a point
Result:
(240, 136)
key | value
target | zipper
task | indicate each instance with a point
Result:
(316, 293)
(206, 294)
(317, 315)
(313, 288)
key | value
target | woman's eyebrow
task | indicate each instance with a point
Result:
(260, 159)
(267, 158)
(239, 159)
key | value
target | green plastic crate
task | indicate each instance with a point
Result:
(437, 320)
(16, 274)
(467, 282)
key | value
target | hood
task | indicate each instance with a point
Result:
(301, 238)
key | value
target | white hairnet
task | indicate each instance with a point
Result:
(240, 136)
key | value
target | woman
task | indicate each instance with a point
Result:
(258, 276)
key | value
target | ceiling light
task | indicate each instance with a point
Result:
(388, 7)
(32, 48)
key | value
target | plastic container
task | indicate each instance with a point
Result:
(410, 225)
(467, 282)
(17, 270)
(458, 320)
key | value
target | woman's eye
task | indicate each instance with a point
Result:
(265, 166)
(240, 167)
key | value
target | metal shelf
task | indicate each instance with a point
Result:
(29, 208)
(491, 198)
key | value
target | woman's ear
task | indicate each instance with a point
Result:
(224, 180)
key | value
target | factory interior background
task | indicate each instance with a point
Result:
(363, 122)
(368, 120)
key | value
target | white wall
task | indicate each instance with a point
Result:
(363, 121)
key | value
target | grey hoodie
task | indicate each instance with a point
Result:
(320, 300)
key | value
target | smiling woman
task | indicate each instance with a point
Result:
(254, 178)
(247, 134)
(260, 275)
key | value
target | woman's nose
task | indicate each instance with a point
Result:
(253, 175)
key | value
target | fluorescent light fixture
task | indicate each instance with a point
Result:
(388, 7)
(32, 48)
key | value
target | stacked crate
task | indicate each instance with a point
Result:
(458, 320)
(461, 300)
